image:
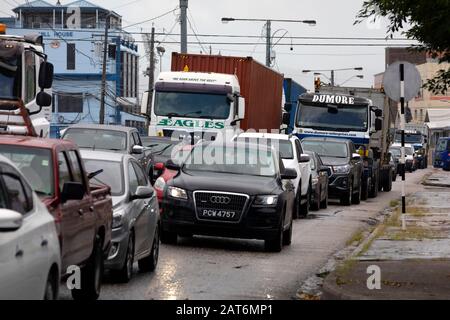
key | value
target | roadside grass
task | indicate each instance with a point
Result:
(413, 233)
(394, 203)
(342, 271)
(356, 238)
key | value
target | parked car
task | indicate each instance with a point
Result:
(135, 229)
(30, 261)
(115, 138)
(82, 212)
(320, 174)
(346, 165)
(293, 157)
(396, 154)
(442, 154)
(159, 150)
(393, 164)
(253, 199)
(411, 159)
(421, 157)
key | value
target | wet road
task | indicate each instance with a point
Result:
(217, 268)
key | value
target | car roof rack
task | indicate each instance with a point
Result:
(15, 119)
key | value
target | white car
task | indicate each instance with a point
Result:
(293, 157)
(29, 247)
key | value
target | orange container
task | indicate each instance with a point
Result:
(261, 87)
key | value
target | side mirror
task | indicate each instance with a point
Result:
(378, 124)
(172, 165)
(356, 157)
(10, 220)
(304, 158)
(323, 170)
(46, 75)
(142, 192)
(378, 113)
(241, 108)
(72, 191)
(289, 174)
(286, 118)
(288, 107)
(144, 103)
(43, 99)
(137, 149)
(159, 166)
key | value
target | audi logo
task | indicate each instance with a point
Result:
(220, 200)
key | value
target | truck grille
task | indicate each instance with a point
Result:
(220, 202)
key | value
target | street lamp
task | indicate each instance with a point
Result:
(332, 72)
(161, 50)
(269, 30)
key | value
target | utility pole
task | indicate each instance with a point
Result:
(268, 43)
(151, 72)
(105, 57)
(183, 25)
(332, 78)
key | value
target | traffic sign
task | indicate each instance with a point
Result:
(391, 81)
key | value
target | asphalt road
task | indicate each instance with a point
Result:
(217, 268)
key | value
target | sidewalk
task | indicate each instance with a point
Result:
(415, 263)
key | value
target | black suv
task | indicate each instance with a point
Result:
(346, 167)
(244, 193)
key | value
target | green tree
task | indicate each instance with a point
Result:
(429, 24)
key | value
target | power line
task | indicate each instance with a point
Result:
(151, 19)
(193, 30)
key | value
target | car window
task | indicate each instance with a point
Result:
(312, 162)
(18, 195)
(298, 147)
(140, 174)
(137, 139)
(77, 174)
(132, 179)
(64, 173)
(442, 145)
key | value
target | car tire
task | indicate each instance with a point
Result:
(373, 191)
(298, 200)
(315, 205)
(168, 237)
(287, 236)
(304, 208)
(51, 287)
(91, 275)
(346, 198)
(394, 176)
(388, 184)
(276, 244)
(324, 202)
(125, 274)
(365, 186)
(148, 264)
(356, 197)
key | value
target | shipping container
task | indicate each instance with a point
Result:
(292, 90)
(261, 87)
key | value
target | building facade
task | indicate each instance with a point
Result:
(74, 39)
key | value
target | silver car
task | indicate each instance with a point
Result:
(135, 230)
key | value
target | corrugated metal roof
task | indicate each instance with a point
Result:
(83, 4)
(438, 118)
(36, 4)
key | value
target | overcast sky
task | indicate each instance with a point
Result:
(334, 19)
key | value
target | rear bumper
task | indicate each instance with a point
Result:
(256, 222)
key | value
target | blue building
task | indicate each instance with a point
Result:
(74, 41)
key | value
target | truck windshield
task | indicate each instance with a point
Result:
(333, 117)
(10, 79)
(95, 139)
(409, 137)
(36, 165)
(326, 148)
(192, 105)
(112, 174)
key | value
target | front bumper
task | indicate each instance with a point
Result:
(118, 250)
(338, 184)
(179, 216)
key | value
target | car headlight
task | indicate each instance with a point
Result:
(118, 219)
(160, 183)
(177, 193)
(342, 169)
(269, 200)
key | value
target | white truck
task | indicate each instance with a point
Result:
(25, 75)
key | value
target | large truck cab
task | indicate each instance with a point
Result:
(24, 75)
(196, 104)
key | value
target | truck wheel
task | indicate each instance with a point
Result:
(346, 198)
(356, 198)
(168, 237)
(365, 185)
(373, 192)
(149, 263)
(125, 274)
(388, 182)
(91, 275)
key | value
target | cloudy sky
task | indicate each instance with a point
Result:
(334, 19)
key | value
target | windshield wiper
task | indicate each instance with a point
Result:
(42, 193)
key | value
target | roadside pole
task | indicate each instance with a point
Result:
(105, 60)
(402, 128)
